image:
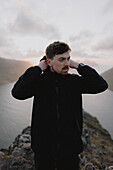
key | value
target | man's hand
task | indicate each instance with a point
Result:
(43, 65)
(73, 64)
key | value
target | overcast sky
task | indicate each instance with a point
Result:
(28, 26)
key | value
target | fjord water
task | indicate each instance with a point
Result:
(15, 115)
(101, 106)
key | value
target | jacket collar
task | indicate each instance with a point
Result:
(54, 75)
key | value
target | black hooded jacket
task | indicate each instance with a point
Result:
(56, 125)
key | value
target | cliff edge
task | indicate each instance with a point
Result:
(97, 154)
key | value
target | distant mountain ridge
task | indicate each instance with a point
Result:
(108, 76)
(10, 69)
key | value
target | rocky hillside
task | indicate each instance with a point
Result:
(10, 70)
(108, 75)
(98, 149)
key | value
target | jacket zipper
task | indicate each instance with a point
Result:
(58, 116)
(57, 105)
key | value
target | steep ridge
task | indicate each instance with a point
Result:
(97, 154)
(10, 70)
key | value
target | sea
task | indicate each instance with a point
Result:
(15, 115)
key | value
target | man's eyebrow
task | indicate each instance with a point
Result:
(61, 57)
(64, 57)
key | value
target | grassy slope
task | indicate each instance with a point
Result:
(103, 150)
(10, 70)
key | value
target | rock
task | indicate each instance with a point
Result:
(102, 152)
(110, 168)
(25, 138)
(103, 147)
(93, 146)
(97, 154)
(27, 146)
(19, 155)
(89, 166)
(86, 139)
(1, 153)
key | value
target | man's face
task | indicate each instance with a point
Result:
(60, 63)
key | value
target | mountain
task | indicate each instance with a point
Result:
(10, 70)
(97, 154)
(108, 76)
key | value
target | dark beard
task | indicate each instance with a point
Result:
(66, 67)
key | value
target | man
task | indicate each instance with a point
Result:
(57, 109)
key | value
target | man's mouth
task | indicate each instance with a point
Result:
(65, 68)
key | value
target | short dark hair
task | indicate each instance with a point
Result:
(55, 48)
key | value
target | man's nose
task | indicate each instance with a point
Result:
(67, 62)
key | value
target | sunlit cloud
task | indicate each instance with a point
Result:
(28, 23)
(8, 48)
(9, 52)
(32, 53)
(23, 26)
(15, 53)
(27, 27)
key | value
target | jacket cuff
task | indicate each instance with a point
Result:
(80, 67)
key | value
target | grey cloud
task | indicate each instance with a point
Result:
(105, 44)
(90, 62)
(27, 23)
(5, 40)
(108, 6)
(9, 49)
(108, 28)
(79, 53)
(32, 53)
(85, 35)
(81, 44)
(7, 45)
(83, 54)
(14, 52)
(10, 52)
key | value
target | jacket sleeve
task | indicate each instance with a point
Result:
(26, 85)
(90, 81)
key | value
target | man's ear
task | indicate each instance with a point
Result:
(48, 61)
